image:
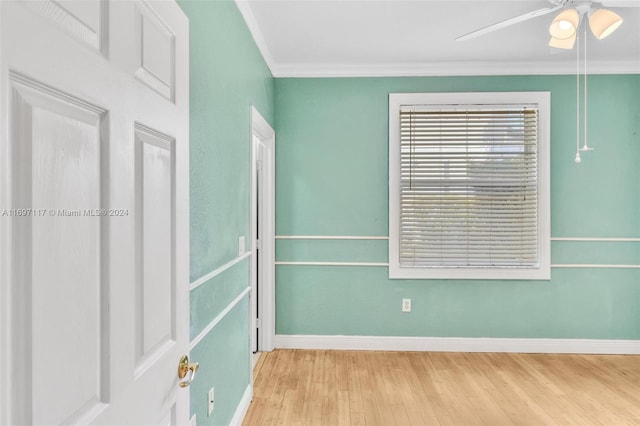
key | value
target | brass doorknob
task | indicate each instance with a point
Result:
(184, 367)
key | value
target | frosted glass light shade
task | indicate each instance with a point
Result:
(603, 22)
(565, 24)
(566, 43)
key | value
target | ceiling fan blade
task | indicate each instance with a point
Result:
(620, 3)
(509, 22)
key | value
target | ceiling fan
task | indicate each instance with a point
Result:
(564, 27)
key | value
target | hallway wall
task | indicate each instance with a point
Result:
(228, 75)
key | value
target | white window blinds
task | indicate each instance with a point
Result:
(469, 186)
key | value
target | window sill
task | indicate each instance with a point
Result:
(542, 273)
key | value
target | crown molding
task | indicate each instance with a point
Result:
(249, 18)
(282, 70)
(451, 69)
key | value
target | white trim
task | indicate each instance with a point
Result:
(606, 3)
(193, 421)
(254, 361)
(557, 265)
(252, 24)
(242, 408)
(218, 318)
(604, 239)
(197, 283)
(332, 263)
(384, 237)
(260, 125)
(353, 237)
(330, 237)
(591, 265)
(449, 69)
(266, 303)
(459, 344)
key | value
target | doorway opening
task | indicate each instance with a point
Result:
(262, 232)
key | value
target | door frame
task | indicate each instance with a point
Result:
(266, 303)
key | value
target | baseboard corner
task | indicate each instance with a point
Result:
(243, 407)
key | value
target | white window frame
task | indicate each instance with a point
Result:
(543, 270)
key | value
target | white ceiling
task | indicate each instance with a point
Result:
(417, 37)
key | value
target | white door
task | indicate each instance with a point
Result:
(93, 212)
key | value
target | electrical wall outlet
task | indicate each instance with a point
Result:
(240, 245)
(406, 305)
(210, 401)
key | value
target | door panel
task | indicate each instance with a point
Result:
(154, 258)
(57, 139)
(85, 20)
(66, 264)
(156, 55)
(94, 280)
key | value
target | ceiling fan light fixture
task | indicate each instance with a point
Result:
(603, 22)
(564, 25)
(566, 43)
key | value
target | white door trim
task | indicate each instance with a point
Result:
(266, 303)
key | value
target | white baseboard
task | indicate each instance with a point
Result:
(459, 344)
(243, 406)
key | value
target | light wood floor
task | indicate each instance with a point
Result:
(300, 387)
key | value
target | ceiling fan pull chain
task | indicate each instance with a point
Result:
(586, 146)
(578, 159)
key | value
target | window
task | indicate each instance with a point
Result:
(469, 185)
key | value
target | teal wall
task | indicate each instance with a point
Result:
(227, 76)
(332, 179)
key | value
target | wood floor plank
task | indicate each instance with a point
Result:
(427, 382)
(303, 387)
(344, 415)
(419, 408)
(330, 392)
(367, 388)
(356, 406)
